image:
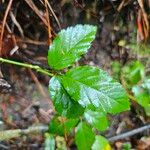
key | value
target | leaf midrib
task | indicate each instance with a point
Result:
(68, 52)
(96, 90)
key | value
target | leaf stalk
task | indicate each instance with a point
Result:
(35, 67)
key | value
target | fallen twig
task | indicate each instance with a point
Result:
(8, 134)
(48, 25)
(53, 13)
(129, 133)
(13, 18)
(3, 146)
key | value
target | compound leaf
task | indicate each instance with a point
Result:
(69, 45)
(90, 86)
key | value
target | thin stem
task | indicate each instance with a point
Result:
(35, 67)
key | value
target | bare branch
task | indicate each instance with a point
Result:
(8, 134)
(129, 133)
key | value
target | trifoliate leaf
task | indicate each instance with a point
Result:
(69, 45)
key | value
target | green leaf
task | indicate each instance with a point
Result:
(84, 137)
(91, 86)
(62, 126)
(116, 69)
(101, 143)
(63, 103)
(134, 72)
(146, 84)
(142, 49)
(127, 146)
(142, 93)
(147, 110)
(97, 119)
(69, 45)
(49, 142)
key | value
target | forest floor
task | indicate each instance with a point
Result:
(28, 31)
